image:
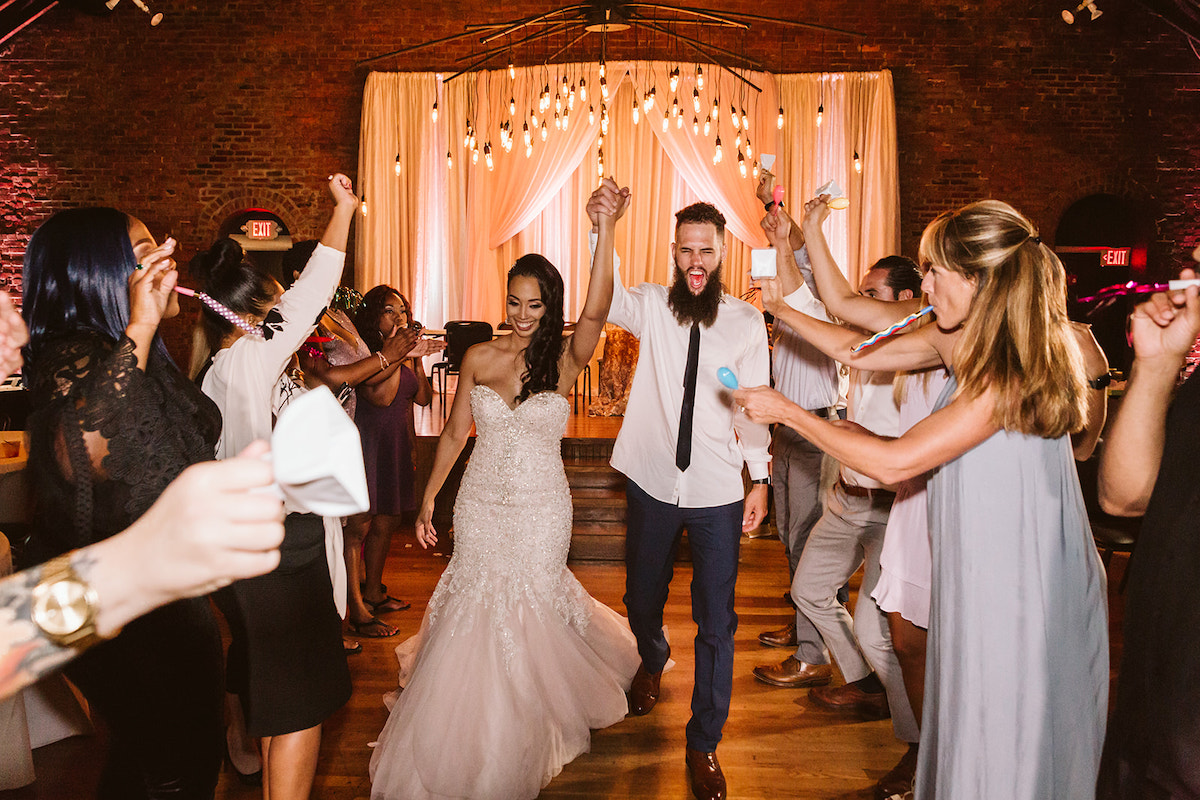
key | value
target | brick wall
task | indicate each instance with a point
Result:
(229, 104)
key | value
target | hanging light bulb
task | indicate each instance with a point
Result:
(603, 86)
(820, 114)
(696, 100)
(583, 89)
(737, 141)
(527, 137)
(779, 119)
(472, 141)
(591, 116)
(675, 79)
(363, 205)
(565, 85)
(603, 121)
(749, 149)
(857, 162)
(557, 122)
(474, 157)
(720, 155)
(666, 121)
(449, 160)
(512, 105)
(487, 155)
(696, 126)
(528, 150)
(636, 112)
(646, 103)
(733, 116)
(397, 167)
(707, 124)
(533, 119)
(545, 132)
(558, 105)
(745, 120)
(716, 112)
(699, 76)
(601, 69)
(754, 171)
(433, 114)
(512, 71)
(675, 107)
(650, 97)
(566, 120)
(571, 100)
(741, 163)
(678, 121)
(600, 163)
(467, 135)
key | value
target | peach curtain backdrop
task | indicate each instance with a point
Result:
(447, 233)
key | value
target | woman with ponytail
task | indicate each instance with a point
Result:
(286, 659)
(113, 422)
(1016, 684)
(514, 663)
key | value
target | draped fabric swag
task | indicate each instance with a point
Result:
(446, 235)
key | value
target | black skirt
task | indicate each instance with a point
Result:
(286, 660)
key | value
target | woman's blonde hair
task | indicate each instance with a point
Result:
(1016, 339)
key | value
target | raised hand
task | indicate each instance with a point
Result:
(1167, 324)
(399, 343)
(342, 190)
(778, 227)
(766, 187)
(771, 295)
(150, 286)
(607, 201)
(13, 336)
(816, 211)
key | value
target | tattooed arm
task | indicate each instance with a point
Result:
(213, 525)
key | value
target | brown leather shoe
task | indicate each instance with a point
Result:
(705, 776)
(852, 700)
(784, 637)
(643, 692)
(794, 674)
(899, 781)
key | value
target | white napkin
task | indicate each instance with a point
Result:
(318, 457)
(837, 198)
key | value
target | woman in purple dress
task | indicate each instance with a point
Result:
(385, 422)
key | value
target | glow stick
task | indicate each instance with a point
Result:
(892, 330)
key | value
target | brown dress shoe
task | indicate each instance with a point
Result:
(899, 782)
(643, 692)
(794, 674)
(784, 637)
(852, 700)
(705, 776)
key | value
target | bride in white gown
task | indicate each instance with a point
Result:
(515, 663)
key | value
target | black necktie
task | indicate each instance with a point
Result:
(683, 447)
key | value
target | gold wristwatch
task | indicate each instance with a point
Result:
(65, 605)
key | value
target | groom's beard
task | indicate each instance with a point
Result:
(688, 307)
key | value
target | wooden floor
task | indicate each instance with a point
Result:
(776, 743)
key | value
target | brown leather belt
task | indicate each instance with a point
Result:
(862, 491)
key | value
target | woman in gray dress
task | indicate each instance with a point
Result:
(1017, 681)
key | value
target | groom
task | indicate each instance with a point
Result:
(682, 447)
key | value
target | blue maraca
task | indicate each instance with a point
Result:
(725, 375)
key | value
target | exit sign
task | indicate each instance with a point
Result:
(1115, 257)
(260, 229)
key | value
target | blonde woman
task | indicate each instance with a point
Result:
(1017, 673)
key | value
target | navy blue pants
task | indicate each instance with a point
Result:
(715, 535)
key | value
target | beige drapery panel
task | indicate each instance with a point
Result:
(448, 234)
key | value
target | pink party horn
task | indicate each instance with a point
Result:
(223, 310)
(892, 330)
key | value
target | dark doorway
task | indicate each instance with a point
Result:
(1102, 240)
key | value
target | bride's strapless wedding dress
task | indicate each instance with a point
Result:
(515, 663)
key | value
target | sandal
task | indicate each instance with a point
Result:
(373, 629)
(351, 648)
(387, 605)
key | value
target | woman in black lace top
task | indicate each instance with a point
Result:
(114, 421)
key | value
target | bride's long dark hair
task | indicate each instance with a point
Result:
(546, 346)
